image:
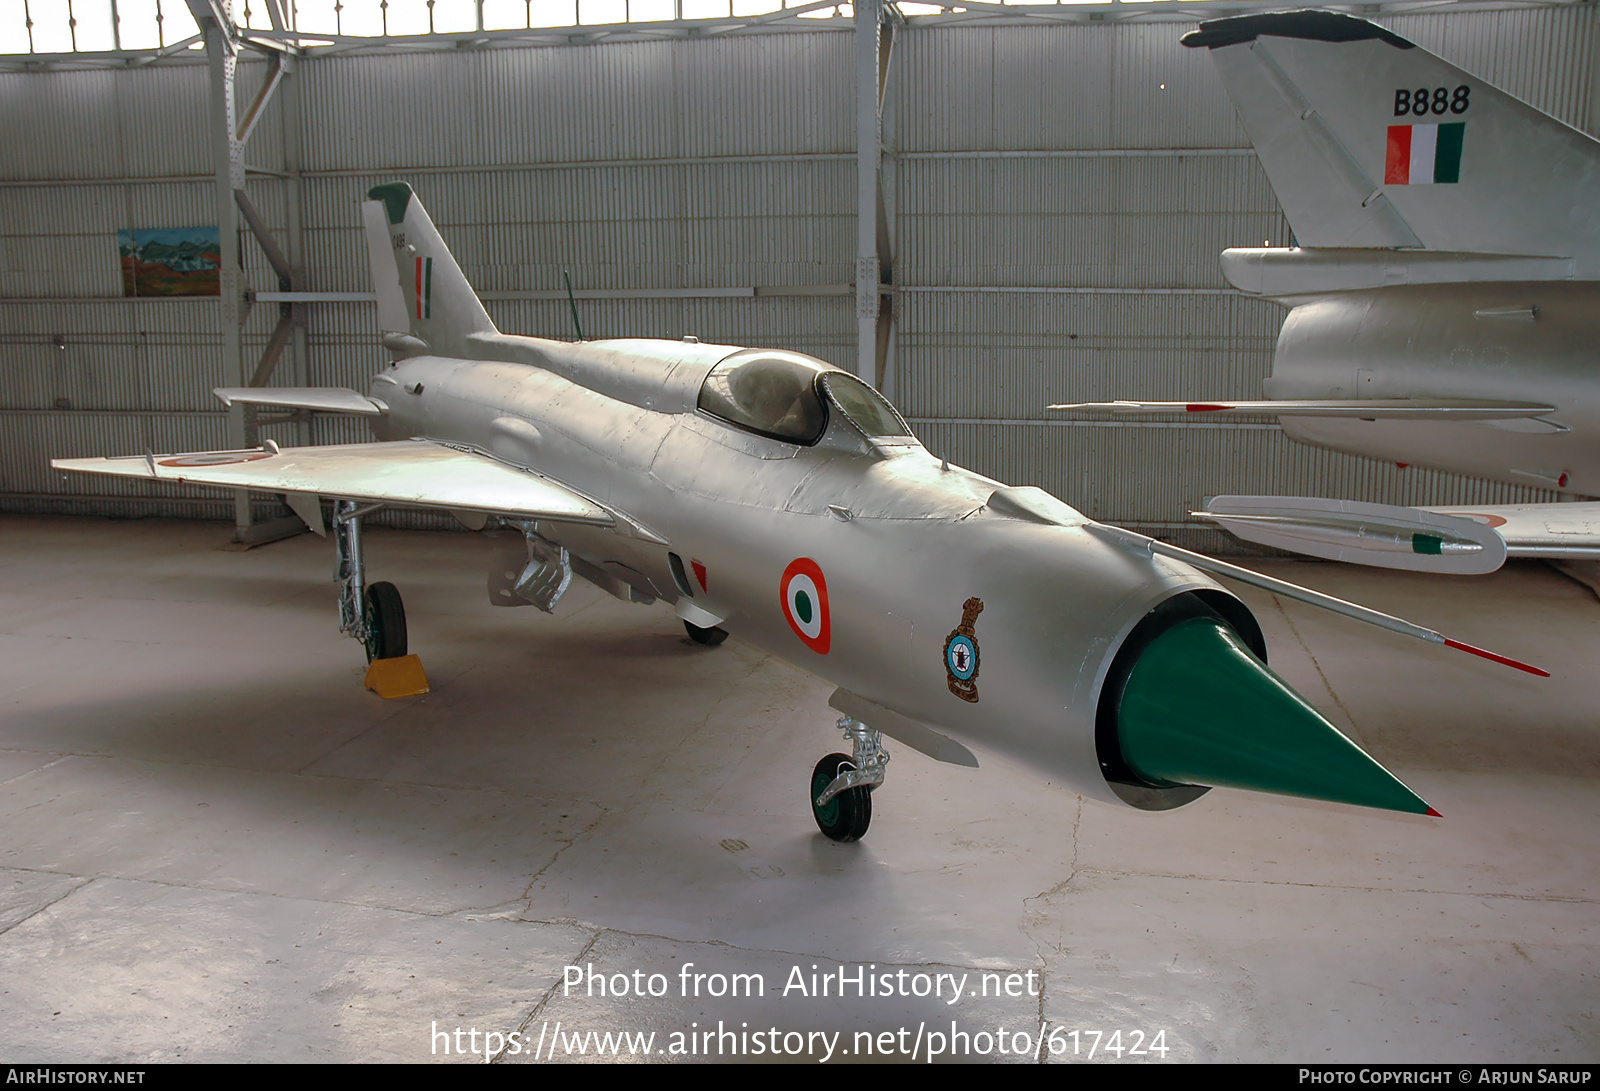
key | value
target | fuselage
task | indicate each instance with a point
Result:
(901, 540)
(1524, 341)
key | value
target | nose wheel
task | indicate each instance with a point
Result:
(842, 784)
(846, 816)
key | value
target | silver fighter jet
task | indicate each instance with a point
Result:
(1443, 295)
(770, 495)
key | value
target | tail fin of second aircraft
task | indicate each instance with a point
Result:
(1371, 141)
(421, 290)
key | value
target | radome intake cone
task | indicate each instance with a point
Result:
(1199, 708)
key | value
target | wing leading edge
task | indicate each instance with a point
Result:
(1450, 409)
(413, 473)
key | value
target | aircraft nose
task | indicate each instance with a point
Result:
(1199, 708)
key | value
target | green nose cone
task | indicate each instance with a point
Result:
(1199, 708)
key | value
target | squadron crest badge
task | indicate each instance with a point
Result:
(961, 653)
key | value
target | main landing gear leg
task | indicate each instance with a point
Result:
(841, 786)
(373, 615)
(349, 569)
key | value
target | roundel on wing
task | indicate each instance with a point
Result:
(804, 592)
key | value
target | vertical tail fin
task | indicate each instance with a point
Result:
(421, 290)
(1371, 141)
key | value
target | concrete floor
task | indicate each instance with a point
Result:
(218, 846)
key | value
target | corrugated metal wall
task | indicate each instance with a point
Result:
(1101, 159)
(1115, 208)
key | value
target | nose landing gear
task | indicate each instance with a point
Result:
(842, 785)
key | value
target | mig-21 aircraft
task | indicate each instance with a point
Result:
(1443, 292)
(769, 495)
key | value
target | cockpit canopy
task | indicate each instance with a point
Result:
(768, 392)
(784, 395)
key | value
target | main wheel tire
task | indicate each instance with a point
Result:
(709, 637)
(385, 619)
(846, 816)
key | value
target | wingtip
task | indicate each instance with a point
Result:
(1433, 813)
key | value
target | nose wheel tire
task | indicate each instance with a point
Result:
(709, 637)
(384, 617)
(846, 816)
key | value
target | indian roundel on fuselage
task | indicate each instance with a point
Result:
(804, 594)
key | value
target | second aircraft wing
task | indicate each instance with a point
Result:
(1460, 540)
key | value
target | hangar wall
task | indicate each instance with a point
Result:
(1059, 195)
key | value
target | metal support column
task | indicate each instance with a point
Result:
(228, 155)
(888, 166)
(261, 374)
(869, 150)
(228, 136)
(299, 349)
(1592, 126)
(874, 258)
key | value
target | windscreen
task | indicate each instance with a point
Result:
(867, 409)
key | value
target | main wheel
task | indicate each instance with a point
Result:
(846, 816)
(709, 637)
(385, 618)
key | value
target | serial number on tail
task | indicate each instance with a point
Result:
(1438, 100)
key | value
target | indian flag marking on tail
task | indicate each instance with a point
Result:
(1420, 155)
(804, 594)
(424, 287)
